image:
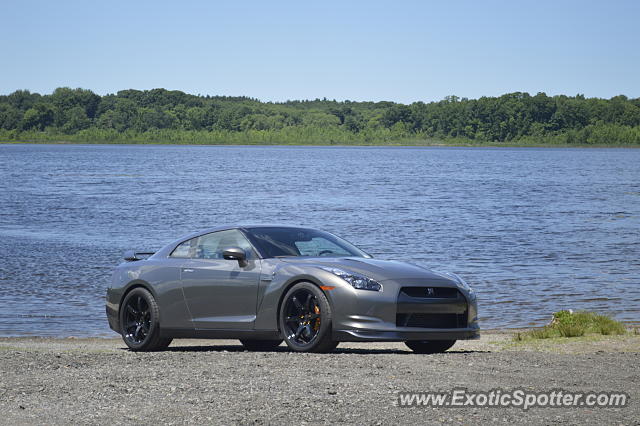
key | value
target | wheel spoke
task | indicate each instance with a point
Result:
(308, 332)
(297, 304)
(293, 318)
(307, 303)
(140, 304)
(131, 310)
(299, 331)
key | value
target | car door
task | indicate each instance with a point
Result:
(221, 294)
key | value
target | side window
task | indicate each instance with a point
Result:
(211, 246)
(183, 250)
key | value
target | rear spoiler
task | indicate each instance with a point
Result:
(132, 256)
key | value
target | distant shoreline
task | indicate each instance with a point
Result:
(172, 116)
(415, 144)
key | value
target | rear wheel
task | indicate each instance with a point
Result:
(429, 346)
(305, 319)
(139, 323)
(260, 345)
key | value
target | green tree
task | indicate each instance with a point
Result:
(10, 116)
(38, 117)
(65, 99)
(23, 99)
(121, 117)
(75, 120)
(320, 119)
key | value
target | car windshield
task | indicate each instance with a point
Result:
(285, 242)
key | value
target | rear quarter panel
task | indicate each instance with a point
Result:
(162, 278)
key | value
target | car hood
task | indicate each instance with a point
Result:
(379, 270)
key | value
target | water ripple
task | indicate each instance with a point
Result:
(533, 230)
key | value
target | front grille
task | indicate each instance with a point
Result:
(432, 320)
(431, 307)
(431, 292)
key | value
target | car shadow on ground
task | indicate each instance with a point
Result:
(283, 349)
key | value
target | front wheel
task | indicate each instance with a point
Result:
(139, 323)
(305, 319)
(429, 346)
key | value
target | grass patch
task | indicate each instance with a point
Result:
(575, 324)
(589, 343)
(571, 330)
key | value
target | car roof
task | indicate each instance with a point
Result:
(226, 227)
(245, 226)
(164, 251)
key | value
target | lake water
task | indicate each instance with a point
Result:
(533, 230)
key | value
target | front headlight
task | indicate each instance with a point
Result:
(356, 280)
(461, 283)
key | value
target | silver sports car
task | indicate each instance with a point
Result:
(265, 284)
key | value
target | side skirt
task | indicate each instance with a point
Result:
(190, 333)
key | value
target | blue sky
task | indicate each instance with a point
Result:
(402, 51)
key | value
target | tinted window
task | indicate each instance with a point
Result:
(319, 246)
(183, 250)
(212, 246)
(275, 242)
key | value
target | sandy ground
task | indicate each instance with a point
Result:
(98, 381)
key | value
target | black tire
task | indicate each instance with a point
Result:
(429, 346)
(305, 319)
(139, 322)
(260, 345)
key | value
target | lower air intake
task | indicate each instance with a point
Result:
(432, 320)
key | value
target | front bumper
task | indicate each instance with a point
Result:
(402, 335)
(405, 310)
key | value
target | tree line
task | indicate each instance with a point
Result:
(177, 117)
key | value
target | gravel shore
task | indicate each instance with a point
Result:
(98, 381)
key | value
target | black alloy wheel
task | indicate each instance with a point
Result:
(139, 325)
(305, 319)
(137, 320)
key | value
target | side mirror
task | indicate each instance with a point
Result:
(235, 253)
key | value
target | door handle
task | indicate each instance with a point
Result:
(187, 270)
